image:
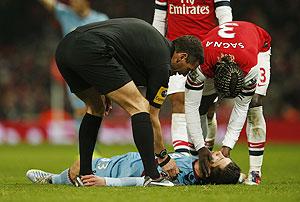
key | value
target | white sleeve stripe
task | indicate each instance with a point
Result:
(192, 85)
(248, 91)
(157, 2)
(192, 82)
(216, 1)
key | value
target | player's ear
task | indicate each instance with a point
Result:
(184, 56)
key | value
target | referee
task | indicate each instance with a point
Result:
(111, 59)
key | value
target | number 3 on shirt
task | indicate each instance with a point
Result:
(263, 77)
(226, 30)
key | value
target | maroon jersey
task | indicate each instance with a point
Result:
(190, 17)
(243, 40)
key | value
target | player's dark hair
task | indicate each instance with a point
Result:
(228, 175)
(192, 46)
(229, 78)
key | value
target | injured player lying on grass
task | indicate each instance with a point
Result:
(127, 170)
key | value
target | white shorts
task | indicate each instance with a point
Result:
(263, 63)
(176, 84)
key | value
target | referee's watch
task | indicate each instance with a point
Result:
(163, 153)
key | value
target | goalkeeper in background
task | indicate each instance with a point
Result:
(234, 54)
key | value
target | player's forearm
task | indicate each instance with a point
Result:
(223, 11)
(192, 103)
(158, 137)
(159, 21)
(237, 119)
(223, 14)
(157, 132)
(125, 181)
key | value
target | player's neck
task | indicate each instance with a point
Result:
(84, 12)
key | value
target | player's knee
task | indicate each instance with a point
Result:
(93, 102)
(96, 109)
(177, 101)
(140, 105)
(257, 100)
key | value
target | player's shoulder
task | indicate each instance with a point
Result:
(100, 15)
(195, 79)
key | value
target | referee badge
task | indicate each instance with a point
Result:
(160, 95)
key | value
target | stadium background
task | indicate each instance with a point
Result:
(31, 110)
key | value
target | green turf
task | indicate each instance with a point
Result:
(281, 178)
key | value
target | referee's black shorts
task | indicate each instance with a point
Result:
(84, 60)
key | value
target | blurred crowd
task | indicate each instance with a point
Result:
(29, 35)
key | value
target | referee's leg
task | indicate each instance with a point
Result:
(130, 99)
(89, 127)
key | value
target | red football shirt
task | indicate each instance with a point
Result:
(243, 40)
(190, 17)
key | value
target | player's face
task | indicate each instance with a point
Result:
(219, 160)
(78, 5)
(180, 65)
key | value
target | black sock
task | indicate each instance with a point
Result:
(144, 141)
(88, 132)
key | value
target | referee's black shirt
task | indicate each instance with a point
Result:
(141, 49)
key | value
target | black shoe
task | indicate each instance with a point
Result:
(78, 182)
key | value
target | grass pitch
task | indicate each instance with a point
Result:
(281, 178)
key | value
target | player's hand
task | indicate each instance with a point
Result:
(226, 151)
(93, 180)
(170, 168)
(204, 161)
(108, 106)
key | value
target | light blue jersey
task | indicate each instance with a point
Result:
(69, 20)
(130, 165)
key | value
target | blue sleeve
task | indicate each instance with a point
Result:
(61, 10)
(125, 181)
(100, 16)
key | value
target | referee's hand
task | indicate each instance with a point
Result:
(108, 106)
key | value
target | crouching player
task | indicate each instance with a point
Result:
(127, 170)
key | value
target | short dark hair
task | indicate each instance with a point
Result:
(229, 78)
(228, 175)
(192, 46)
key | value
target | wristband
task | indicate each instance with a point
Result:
(163, 153)
(162, 164)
